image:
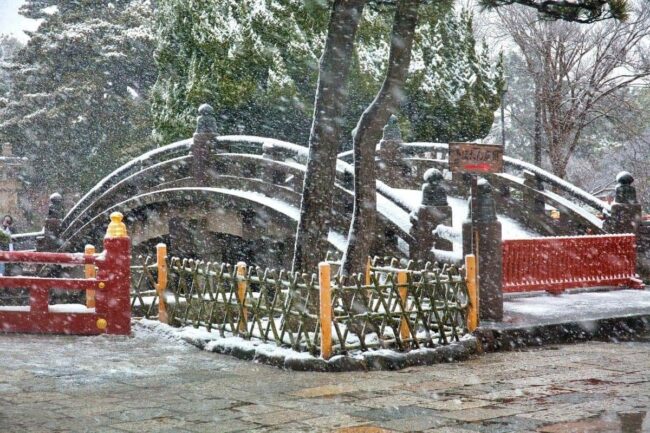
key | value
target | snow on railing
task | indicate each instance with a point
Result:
(550, 178)
(125, 170)
(584, 196)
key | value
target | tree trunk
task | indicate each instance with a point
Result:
(367, 134)
(331, 96)
(537, 138)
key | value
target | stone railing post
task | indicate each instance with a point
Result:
(272, 152)
(391, 167)
(51, 239)
(482, 237)
(204, 144)
(433, 211)
(625, 214)
(625, 217)
(534, 203)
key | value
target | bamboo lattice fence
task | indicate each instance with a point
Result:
(386, 307)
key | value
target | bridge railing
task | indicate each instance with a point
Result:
(274, 162)
(558, 263)
(582, 210)
(110, 313)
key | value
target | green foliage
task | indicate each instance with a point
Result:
(452, 91)
(78, 106)
(8, 47)
(5, 239)
(256, 62)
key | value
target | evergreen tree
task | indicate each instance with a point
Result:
(8, 47)
(256, 62)
(453, 91)
(78, 106)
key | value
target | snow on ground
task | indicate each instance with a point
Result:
(569, 307)
(100, 360)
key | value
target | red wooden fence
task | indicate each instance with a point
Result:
(112, 312)
(558, 263)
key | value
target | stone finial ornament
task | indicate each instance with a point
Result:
(391, 130)
(625, 192)
(206, 122)
(55, 207)
(433, 194)
(485, 207)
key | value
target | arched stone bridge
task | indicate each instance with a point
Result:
(238, 197)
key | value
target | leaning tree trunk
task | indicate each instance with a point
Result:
(537, 137)
(367, 134)
(325, 136)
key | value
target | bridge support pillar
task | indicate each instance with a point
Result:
(187, 237)
(482, 237)
(433, 211)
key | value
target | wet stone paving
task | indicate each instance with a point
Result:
(152, 383)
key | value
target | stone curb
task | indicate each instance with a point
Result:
(493, 337)
(383, 359)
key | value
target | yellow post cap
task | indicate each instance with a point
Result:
(116, 228)
(102, 324)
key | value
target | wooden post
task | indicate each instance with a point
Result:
(90, 272)
(325, 310)
(241, 296)
(161, 285)
(472, 292)
(367, 272)
(402, 283)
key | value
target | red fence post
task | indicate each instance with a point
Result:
(114, 300)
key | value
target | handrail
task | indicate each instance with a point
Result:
(183, 148)
(49, 258)
(286, 211)
(119, 173)
(546, 176)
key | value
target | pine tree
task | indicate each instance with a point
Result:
(8, 48)
(79, 104)
(256, 62)
(453, 90)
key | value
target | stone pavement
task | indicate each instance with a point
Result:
(151, 383)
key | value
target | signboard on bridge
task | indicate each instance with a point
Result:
(475, 158)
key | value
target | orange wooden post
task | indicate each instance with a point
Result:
(241, 295)
(325, 310)
(113, 302)
(367, 273)
(161, 285)
(402, 282)
(90, 272)
(472, 292)
(367, 281)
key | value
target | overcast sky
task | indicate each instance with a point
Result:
(12, 23)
